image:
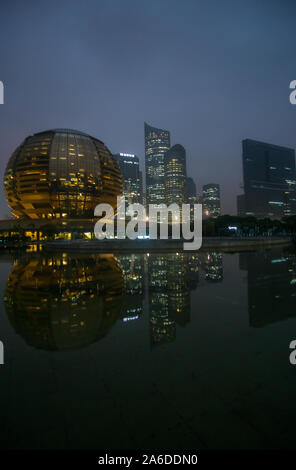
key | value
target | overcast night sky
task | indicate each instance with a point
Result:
(211, 72)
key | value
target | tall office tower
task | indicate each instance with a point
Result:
(190, 191)
(211, 200)
(175, 175)
(142, 198)
(157, 143)
(269, 179)
(241, 205)
(132, 177)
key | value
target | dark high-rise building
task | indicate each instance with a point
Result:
(269, 179)
(157, 143)
(190, 195)
(175, 175)
(190, 190)
(211, 200)
(132, 177)
(241, 205)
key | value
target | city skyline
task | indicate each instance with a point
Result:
(210, 98)
(147, 231)
(47, 172)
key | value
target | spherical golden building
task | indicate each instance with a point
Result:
(61, 173)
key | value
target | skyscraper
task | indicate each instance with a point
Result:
(241, 205)
(269, 180)
(132, 177)
(211, 200)
(157, 143)
(190, 190)
(175, 175)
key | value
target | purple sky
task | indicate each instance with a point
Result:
(211, 72)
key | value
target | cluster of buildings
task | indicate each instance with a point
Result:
(165, 175)
(61, 175)
(269, 178)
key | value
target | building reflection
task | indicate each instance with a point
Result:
(170, 278)
(212, 264)
(133, 269)
(271, 285)
(62, 301)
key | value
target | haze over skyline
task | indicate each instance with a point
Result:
(212, 74)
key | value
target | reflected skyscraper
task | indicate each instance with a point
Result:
(213, 266)
(193, 270)
(178, 288)
(162, 327)
(133, 270)
(271, 286)
(169, 280)
(64, 301)
(157, 143)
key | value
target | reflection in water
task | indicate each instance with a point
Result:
(67, 301)
(63, 301)
(271, 285)
(170, 278)
(133, 268)
(213, 266)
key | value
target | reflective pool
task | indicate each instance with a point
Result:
(170, 351)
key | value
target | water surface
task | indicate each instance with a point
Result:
(171, 351)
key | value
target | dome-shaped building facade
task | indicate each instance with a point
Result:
(61, 173)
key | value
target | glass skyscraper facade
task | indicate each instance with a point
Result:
(190, 189)
(269, 180)
(132, 177)
(175, 175)
(211, 200)
(157, 143)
